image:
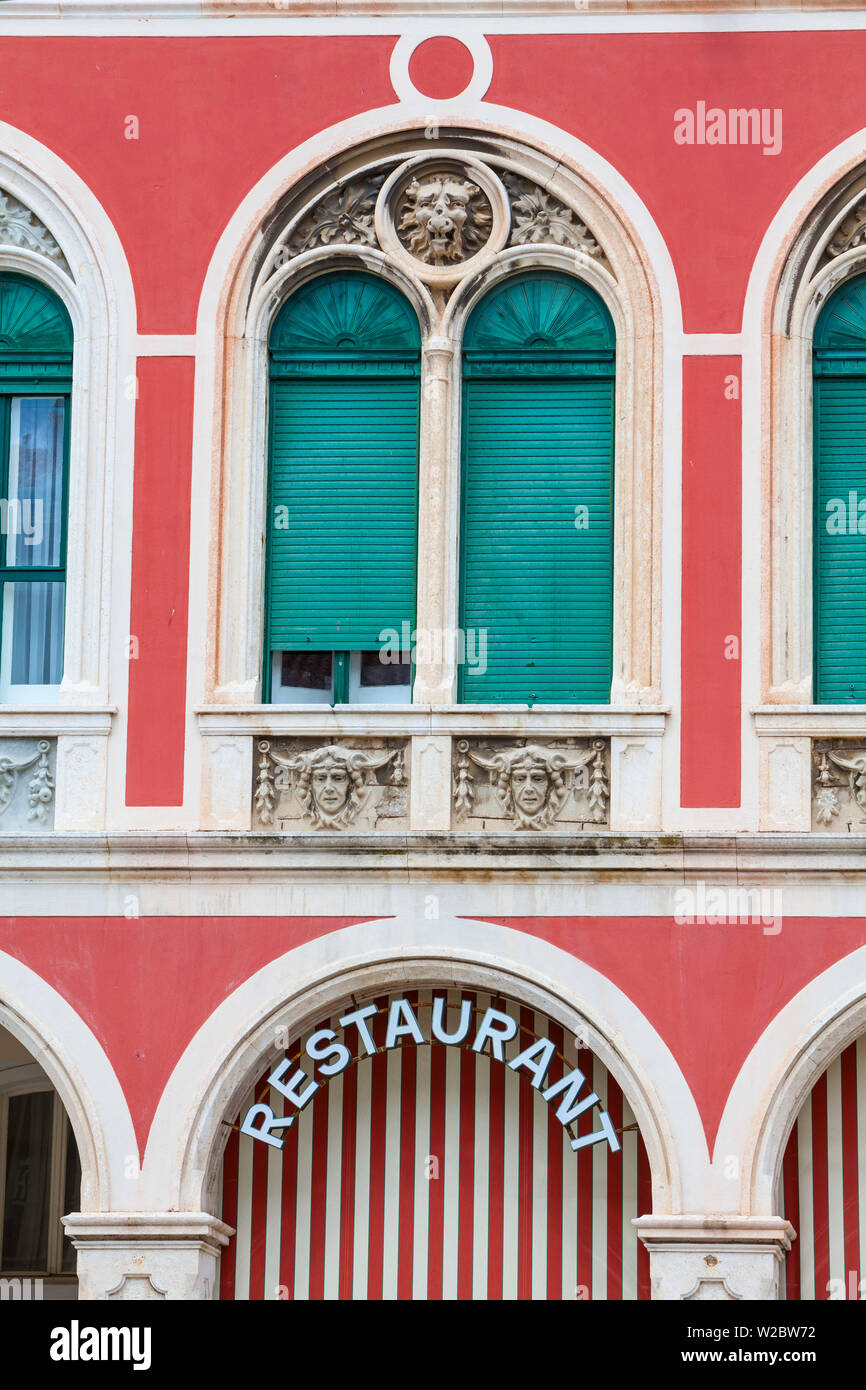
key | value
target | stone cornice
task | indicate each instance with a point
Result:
(205, 857)
(415, 9)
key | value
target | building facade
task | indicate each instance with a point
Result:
(433, 652)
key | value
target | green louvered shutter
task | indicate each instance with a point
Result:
(538, 404)
(345, 354)
(839, 544)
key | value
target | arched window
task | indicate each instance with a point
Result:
(35, 386)
(343, 470)
(839, 430)
(537, 517)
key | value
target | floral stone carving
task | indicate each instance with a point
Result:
(21, 227)
(850, 232)
(299, 783)
(512, 784)
(26, 784)
(536, 217)
(839, 784)
(344, 215)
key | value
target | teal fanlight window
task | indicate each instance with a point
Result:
(345, 354)
(35, 386)
(839, 491)
(537, 486)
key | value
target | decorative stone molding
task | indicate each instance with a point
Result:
(827, 248)
(92, 278)
(330, 786)
(147, 1255)
(509, 784)
(839, 785)
(21, 227)
(344, 216)
(138, 1288)
(27, 803)
(536, 216)
(700, 1258)
(441, 216)
(849, 232)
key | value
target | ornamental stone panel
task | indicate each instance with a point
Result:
(839, 785)
(360, 785)
(27, 782)
(507, 784)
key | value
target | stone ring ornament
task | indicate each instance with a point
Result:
(442, 216)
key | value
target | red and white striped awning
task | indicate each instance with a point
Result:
(824, 1184)
(433, 1172)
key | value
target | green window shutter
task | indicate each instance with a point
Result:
(35, 335)
(538, 402)
(345, 357)
(839, 529)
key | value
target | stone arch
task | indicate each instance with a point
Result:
(74, 1061)
(815, 247)
(261, 269)
(82, 261)
(187, 1138)
(789, 1057)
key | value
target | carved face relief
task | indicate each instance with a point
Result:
(444, 218)
(529, 784)
(330, 787)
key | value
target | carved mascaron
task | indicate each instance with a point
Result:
(510, 784)
(440, 215)
(333, 786)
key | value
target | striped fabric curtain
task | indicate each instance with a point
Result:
(436, 1173)
(823, 1185)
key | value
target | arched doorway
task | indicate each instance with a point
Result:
(822, 1188)
(437, 1171)
(40, 1180)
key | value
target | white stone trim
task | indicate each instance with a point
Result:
(180, 18)
(184, 1151)
(778, 1074)
(482, 75)
(97, 291)
(457, 720)
(78, 1068)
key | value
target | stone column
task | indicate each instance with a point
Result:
(437, 528)
(715, 1257)
(147, 1255)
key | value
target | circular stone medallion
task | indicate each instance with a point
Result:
(441, 216)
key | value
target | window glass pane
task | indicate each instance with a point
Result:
(71, 1195)
(379, 668)
(25, 1205)
(302, 678)
(32, 635)
(34, 508)
(376, 682)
